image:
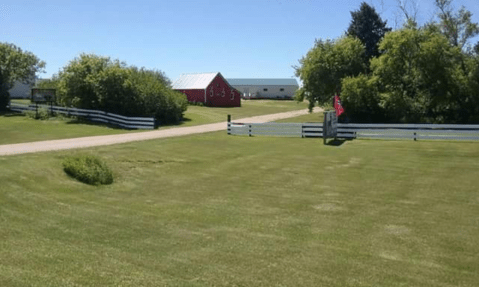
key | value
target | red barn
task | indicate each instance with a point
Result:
(211, 89)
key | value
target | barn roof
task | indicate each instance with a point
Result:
(263, 82)
(194, 81)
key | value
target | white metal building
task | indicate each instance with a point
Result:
(265, 88)
(21, 90)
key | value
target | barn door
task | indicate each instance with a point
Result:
(246, 92)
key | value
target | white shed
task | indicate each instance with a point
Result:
(265, 88)
(21, 91)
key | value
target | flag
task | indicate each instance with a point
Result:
(337, 105)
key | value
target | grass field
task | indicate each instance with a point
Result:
(216, 210)
(21, 101)
(308, 118)
(16, 128)
(249, 108)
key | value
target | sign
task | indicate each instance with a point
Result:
(330, 125)
(43, 95)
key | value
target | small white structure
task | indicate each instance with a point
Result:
(265, 88)
(21, 91)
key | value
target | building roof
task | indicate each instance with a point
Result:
(263, 82)
(198, 81)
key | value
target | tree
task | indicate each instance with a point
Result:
(410, 9)
(16, 65)
(96, 82)
(323, 67)
(423, 77)
(78, 79)
(368, 26)
(51, 83)
(456, 26)
(476, 49)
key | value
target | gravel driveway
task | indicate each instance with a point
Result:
(84, 142)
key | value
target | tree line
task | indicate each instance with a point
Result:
(96, 82)
(414, 74)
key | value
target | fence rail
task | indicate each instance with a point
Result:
(352, 131)
(93, 115)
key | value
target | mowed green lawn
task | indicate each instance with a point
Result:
(217, 210)
(16, 128)
(249, 108)
(308, 118)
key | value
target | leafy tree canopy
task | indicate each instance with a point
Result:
(424, 77)
(456, 26)
(95, 82)
(323, 67)
(16, 65)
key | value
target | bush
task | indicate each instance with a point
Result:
(43, 114)
(99, 83)
(196, 104)
(361, 99)
(88, 169)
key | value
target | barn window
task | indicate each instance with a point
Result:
(232, 95)
(281, 90)
(265, 90)
(223, 93)
(211, 92)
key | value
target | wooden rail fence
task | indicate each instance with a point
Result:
(93, 115)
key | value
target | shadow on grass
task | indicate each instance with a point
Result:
(81, 121)
(337, 142)
(180, 123)
(11, 114)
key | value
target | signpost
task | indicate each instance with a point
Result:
(330, 126)
(43, 96)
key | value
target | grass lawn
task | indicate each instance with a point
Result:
(21, 101)
(216, 210)
(16, 128)
(204, 115)
(308, 118)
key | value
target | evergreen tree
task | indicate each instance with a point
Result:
(368, 26)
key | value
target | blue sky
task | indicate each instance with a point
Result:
(240, 39)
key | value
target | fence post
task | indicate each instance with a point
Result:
(325, 127)
(229, 124)
(302, 130)
(249, 132)
(414, 136)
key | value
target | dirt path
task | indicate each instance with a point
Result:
(84, 142)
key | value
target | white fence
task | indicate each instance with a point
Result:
(277, 129)
(411, 131)
(93, 115)
(351, 131)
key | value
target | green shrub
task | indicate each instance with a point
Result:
(100, 83)
(88, 169)
(43, 114)
(361, 99)
(196, 104)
